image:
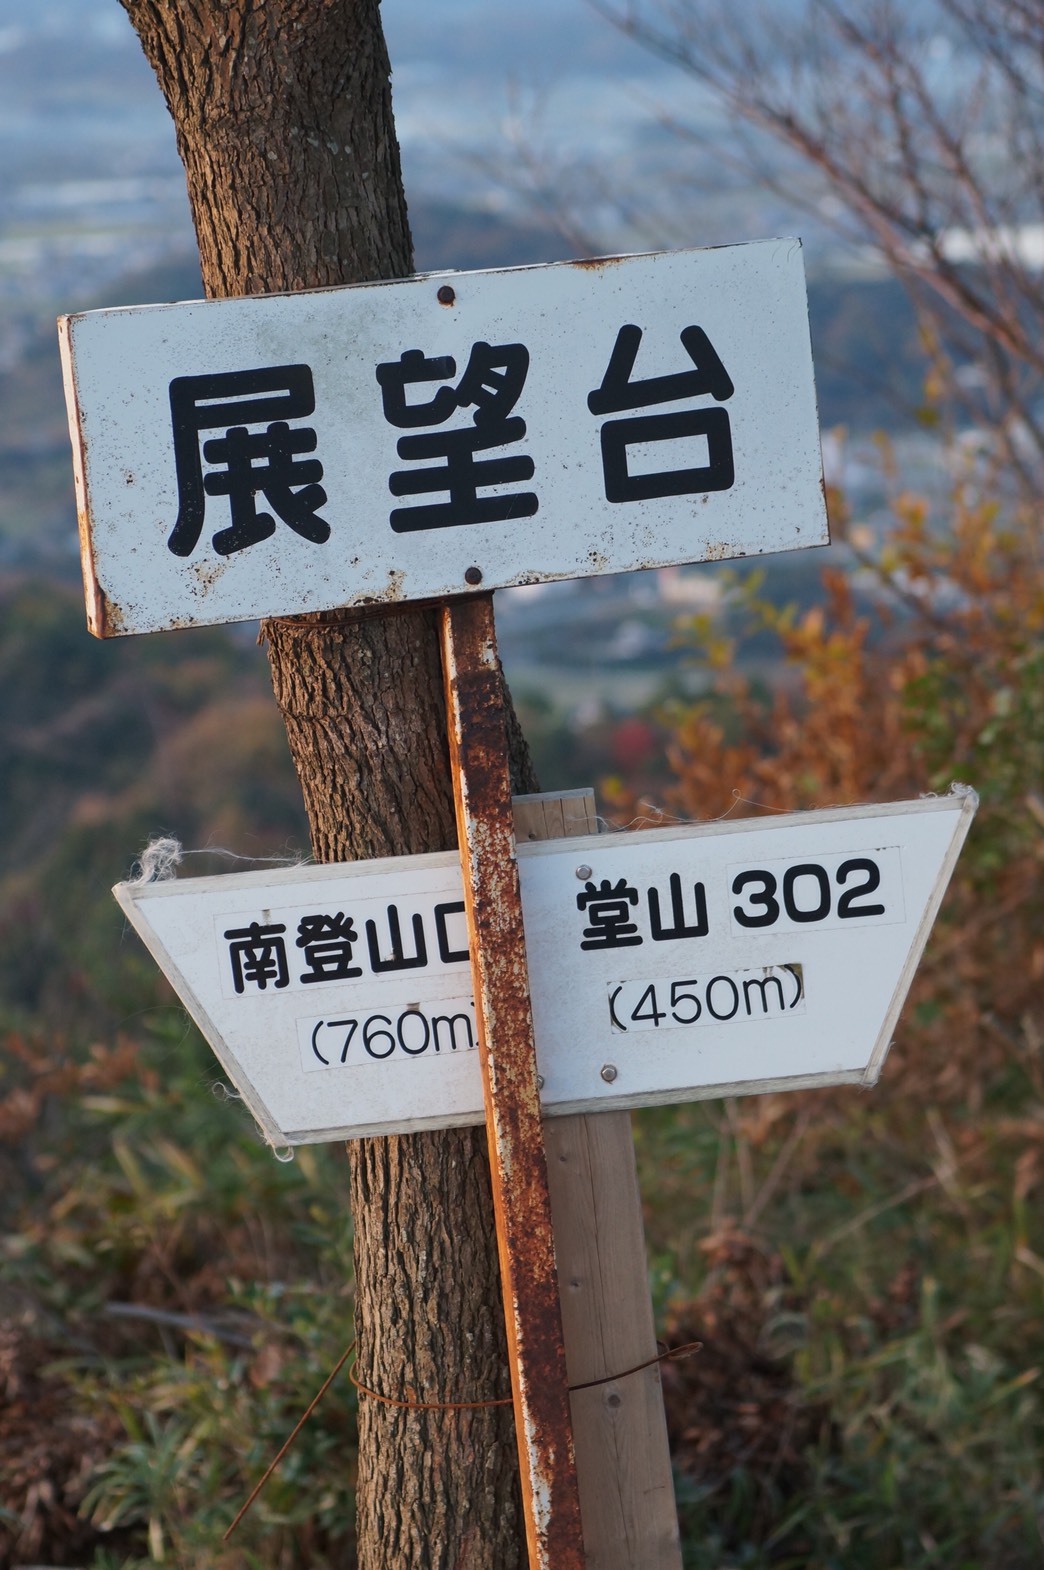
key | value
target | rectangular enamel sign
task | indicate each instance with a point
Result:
(664, 966)
(418, 439)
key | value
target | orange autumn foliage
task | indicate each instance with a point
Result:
(919, 664)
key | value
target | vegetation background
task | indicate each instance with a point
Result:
(866, 1272)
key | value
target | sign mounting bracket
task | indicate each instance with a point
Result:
(522, 1204)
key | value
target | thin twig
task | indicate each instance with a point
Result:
(779, 1166)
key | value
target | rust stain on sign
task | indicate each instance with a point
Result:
(207, 573)
(104, 618)
(593, 263)
(478, 747)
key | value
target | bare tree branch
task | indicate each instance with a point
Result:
(926, 130)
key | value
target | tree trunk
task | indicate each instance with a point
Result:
(282, 110)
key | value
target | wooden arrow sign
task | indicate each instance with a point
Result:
(669, 965)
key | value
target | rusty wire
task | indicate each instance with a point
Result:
(668, 1355)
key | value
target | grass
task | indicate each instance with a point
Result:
(892, 1279)
(865, 1273)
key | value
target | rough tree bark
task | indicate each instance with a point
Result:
(283, 116)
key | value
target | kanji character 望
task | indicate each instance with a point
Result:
(491, 384)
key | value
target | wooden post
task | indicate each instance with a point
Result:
(623, 1463)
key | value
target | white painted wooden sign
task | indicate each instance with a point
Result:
(414, 440)
(668, 965)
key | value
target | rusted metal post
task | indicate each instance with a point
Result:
(482, 790)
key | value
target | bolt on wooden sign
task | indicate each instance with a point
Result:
(665, 966)
(413, 440)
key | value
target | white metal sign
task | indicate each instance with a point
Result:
(412, 440)
(668, 965)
